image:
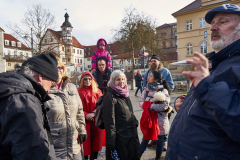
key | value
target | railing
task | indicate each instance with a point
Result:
(16, 57)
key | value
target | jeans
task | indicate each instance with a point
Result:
(138, 89)
(160, 143)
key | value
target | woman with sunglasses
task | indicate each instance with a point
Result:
(66, 117)
(89, 93)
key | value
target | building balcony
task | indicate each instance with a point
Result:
(15, 58)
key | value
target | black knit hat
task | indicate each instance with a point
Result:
(158, 76)
(155, 57)
(44, 64)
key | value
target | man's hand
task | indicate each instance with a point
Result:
(179, 102)
(82, 138)
(90, 116)
(93, 70)
(201, 64)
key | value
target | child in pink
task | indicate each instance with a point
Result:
(101, 53)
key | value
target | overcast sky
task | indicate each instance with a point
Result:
(91, 19)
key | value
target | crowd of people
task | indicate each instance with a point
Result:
(44, 116)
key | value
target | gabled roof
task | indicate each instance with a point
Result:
(58, 35)
(167, 25)
(11, 38)
(194, 5)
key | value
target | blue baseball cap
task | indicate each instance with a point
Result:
(230, 8)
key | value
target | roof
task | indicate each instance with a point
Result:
(58, 35)
(11, 38)
(168, 56)
(194, 5)
(66, 23)
(2, 29)
(167, 25)
(125, 56)
(114, 47)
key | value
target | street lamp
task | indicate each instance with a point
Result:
(143, 58)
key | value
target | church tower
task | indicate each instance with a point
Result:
(67, 39)
(67, 31)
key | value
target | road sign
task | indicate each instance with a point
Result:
(205, 34)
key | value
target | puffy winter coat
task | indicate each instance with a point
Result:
(22, 134)
(162, 109)
(207, 124)
(121, 127)
(138, 80)
(66, 120)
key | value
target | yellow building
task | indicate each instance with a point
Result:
(191, 26)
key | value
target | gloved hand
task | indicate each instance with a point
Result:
(114, 155)
(82, 138)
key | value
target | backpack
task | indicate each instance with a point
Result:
(99, 111)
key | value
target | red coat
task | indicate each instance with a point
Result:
(149, 123)
(89, 100)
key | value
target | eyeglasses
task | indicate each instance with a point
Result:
(60, 68)
(85, 79)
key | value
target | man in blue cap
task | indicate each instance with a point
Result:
(207, 125)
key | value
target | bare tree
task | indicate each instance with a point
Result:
(33, 26)
(136, 30)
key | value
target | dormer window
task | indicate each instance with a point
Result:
(13, 43)
(19, 44)
(7, 42)
(89, 48)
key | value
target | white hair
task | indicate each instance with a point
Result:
(225, 40)
(27, 70)
(115, 74)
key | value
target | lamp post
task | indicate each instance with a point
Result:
(143, 58)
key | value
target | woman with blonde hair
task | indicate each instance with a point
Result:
(119, 121)
(66, 117)
(89, 93)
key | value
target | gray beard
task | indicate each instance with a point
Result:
(225, 40)
(153, 68)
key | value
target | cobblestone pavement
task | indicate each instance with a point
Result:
(149, 153)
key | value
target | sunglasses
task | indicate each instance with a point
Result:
(85, 79)
(60, 68)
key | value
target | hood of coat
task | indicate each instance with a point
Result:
(15, 83)
(101, 39)
(86, 73)
(157, 88)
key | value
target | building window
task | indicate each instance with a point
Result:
(77, 51)
(176, 50)
(63, 48)
(202, 23)
(88, 59)
(89, 48)
(26, 54)
(9, 64)
(51, 39)
(68, 50)
(80, 61)
(174, 26)
(109, 46)
(175, 33)
(81, 69)
(189, 49)
(45, 41)
(85, 49)
(80, 52)
(163, 34)
(89, 66)
(13, 43)
(68, 31)
(85, 53)
(6, 42)
(176, 42)
(189, 25)
(163, 44)
(9, 52)
(203, 48)
(89, 53)
(73, 50)
(68, 40)
(19, 44)
(110, 51)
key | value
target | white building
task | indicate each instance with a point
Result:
(2, 61)
(65, 46)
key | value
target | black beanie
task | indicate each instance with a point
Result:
(158, 76)
(155, 57)
(44, 64)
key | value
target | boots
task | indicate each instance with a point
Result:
(152, 143)
(158, 156)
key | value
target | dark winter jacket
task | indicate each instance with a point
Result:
(22, 135)
(138, 80)
(102, 79)
(207, 126)
(121, 127)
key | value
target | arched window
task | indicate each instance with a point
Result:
(189, 49)
(203, 48)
